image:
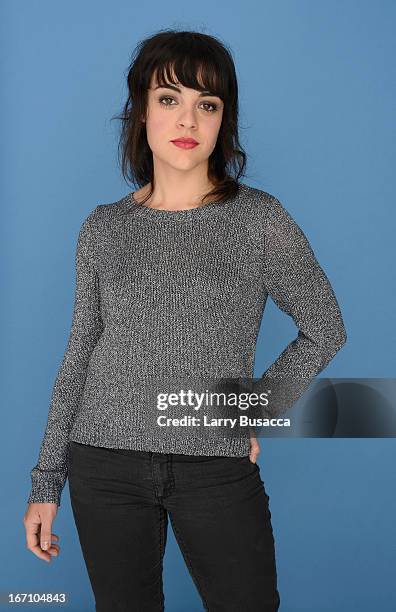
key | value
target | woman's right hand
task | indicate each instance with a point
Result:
(38, 524)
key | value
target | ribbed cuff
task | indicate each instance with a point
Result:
(46, 487)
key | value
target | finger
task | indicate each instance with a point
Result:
(254, 453)
(40, 553)
(45, 534)
(32, 534)
(53, 548)
(54, 537)
(254, 443)
(46, 555)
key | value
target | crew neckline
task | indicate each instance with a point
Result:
(141, 210)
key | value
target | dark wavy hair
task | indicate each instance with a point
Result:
(190, 56)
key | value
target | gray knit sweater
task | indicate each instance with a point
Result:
(178, 292)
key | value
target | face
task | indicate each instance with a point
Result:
(175, 112)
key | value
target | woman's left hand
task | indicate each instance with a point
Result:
(254, 449)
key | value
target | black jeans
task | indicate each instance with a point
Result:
(219, 511)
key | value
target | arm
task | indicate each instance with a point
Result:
(300, 288)
(50, 473)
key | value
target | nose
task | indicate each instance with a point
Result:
(187, 119)
(187, 124)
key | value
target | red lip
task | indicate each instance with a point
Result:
(185, 140)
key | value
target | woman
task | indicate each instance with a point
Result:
(172, 281)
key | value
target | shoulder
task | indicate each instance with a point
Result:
(266, 213)
(98, 224)
(104, 214)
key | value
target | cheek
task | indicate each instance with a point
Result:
(212, 132)
(158, 122)
(157, 125)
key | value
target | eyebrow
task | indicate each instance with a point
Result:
(169, 86)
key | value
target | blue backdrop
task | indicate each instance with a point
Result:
(318, 122)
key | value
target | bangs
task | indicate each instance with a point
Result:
(192, 70)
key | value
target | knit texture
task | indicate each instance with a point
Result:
(178, 292)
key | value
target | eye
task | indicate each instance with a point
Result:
(165, 98)
(214, 106)
(211, 104)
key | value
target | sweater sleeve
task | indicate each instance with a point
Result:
(300, 288)
(50, 474)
